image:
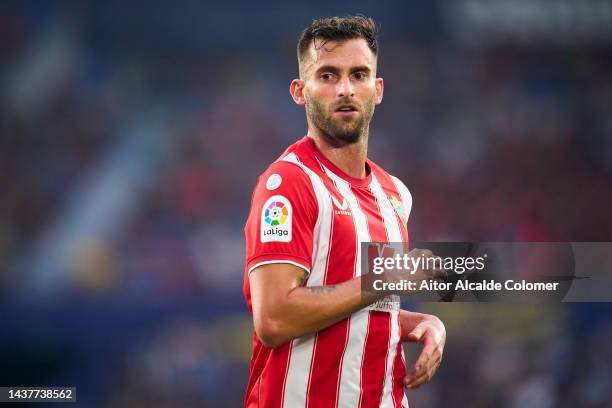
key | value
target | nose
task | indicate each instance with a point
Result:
(345, 88)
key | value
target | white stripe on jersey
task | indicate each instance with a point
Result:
(279, 261)
(298, 373)
(387, 211)
(393, 235)
(404, 398)
(349, 394)
(405, 193)
(407, 199)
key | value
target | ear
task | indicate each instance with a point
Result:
(380, 87)
(296, 89)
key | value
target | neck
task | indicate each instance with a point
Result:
(350, 158)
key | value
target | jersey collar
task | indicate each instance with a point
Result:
(356, 182)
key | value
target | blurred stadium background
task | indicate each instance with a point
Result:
(131, 136)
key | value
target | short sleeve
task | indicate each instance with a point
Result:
(281, 221)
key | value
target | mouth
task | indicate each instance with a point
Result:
(346, 110)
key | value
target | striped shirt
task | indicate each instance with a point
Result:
(307, 212)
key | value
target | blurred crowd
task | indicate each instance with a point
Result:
(506, 143)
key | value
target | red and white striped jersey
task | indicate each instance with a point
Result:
(307, 212)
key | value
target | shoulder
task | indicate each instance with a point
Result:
(287, 182)
(404, 191)
(284, 173)
(397, 183)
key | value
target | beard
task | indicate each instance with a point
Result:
(338, 130)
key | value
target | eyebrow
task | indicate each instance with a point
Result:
(335, 70)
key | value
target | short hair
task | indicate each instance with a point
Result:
(338, 29)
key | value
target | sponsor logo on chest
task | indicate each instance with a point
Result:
(340, 208)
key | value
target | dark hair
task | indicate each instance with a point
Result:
(338, 29)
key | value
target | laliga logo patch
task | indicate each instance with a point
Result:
(276, 219)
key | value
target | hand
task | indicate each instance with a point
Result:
(414, 267)
(430, 332)
(435, 269)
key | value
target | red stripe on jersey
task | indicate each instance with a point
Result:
(370, 207)
(269, 374)
(330, 343)
(398, 367)
(376, 345)
(375, 358)
(398, 374)
(326, 365)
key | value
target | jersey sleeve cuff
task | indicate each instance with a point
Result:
(278, 258)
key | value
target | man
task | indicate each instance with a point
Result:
(319, 340)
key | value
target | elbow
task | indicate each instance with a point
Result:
(270, 333)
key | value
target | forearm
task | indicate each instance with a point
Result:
(283, 308)
(308, 309)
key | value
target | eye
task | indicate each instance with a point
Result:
(327, 76)
(360, 75)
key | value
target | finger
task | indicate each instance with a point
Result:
(416, 334)
(423, 375)
(416, 252)
(439, 273)
(417, 377)
(420, 367)
(442, 274)
(426, 355)
(427, 253)
(430, 356)
(418, 381)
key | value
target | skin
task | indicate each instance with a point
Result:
(332, 75)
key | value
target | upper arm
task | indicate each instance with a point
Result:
(270, 285)
(281, 222)
(280, 226)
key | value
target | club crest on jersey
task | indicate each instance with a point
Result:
(276, 217)
(400, 209)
